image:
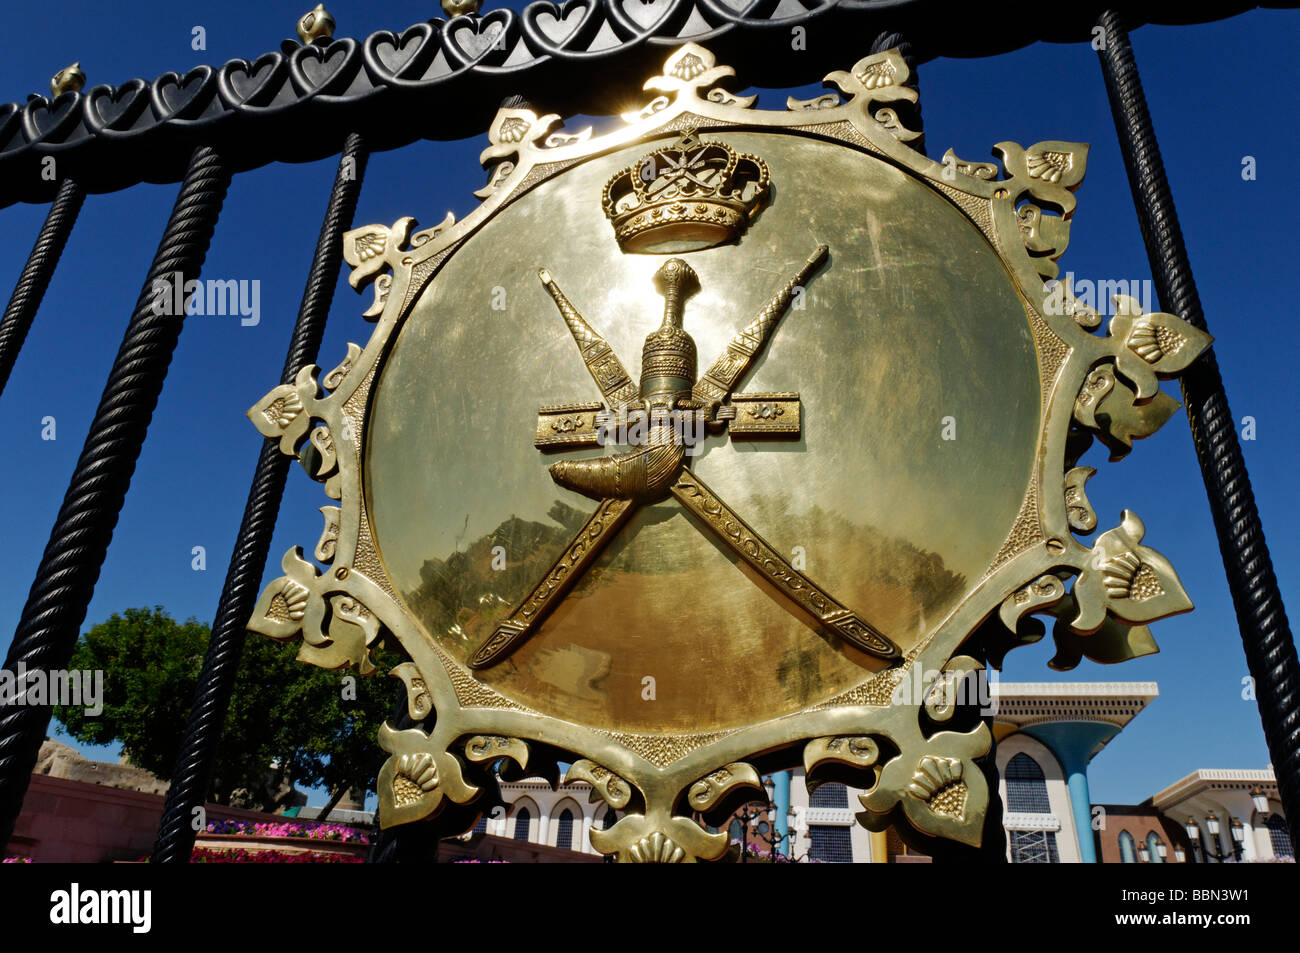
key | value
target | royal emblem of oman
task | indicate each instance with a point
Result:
(672, 577)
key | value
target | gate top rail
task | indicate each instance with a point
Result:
(447, 77)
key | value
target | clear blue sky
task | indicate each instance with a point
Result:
(1218, 93)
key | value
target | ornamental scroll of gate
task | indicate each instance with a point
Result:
(846, 456)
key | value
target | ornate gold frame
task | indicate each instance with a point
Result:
(910, 765)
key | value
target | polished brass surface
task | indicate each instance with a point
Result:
(316, 24)
(461, 8)
(70, 79)
(906, 453)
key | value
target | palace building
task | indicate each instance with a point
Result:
(1048, 734)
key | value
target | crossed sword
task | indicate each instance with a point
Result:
(709, 395)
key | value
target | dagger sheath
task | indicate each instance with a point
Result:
(602, 363)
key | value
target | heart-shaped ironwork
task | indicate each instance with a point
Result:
(46, 121)
(177, 97)
(400, 60)
(245, 85)
(325, 70)
(109, 111)
(639, 17)
(470, 40)
(552, 28)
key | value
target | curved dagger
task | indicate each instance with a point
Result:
(603, 364)
(749, 546)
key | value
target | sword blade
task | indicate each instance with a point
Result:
(577, 557)
(719, 519)
(738, 357)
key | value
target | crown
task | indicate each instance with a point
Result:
(690, 195)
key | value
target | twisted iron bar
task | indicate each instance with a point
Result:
(193, 772)
(56, 606)
(35, 277)
(1265, 632)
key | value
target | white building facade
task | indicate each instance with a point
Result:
(1226, 799)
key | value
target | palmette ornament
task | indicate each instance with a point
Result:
(850, 444)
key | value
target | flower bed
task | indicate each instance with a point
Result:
(295, 829)
(269, 842)
(203, 855)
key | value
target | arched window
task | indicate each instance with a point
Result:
(1153, 848)
(1026, 786)
(564, 830)
(1127, 848)
(1278, 836)
(736, 830)
(522, 820)
(831, 794)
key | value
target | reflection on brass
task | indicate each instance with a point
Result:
(680, 641)
(669, 394)
(749, 546)
(586, 546)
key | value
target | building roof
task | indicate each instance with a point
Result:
(1022, 704)
(1216, 779)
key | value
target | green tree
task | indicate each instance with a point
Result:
(288, 724)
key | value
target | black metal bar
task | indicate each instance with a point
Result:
(1265, 632)
(193, 773)
(56, 606)
(35, 277)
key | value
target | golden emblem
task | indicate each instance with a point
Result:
(662, 584)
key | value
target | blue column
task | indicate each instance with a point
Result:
(1075, 743)
(781, 804)
(1081, 804)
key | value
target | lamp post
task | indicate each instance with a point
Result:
(751, 817)
(1212, 824)
(1260, 800)
(1238, 838)
(1162, 850)
(1180, 855)
(1144, 855)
